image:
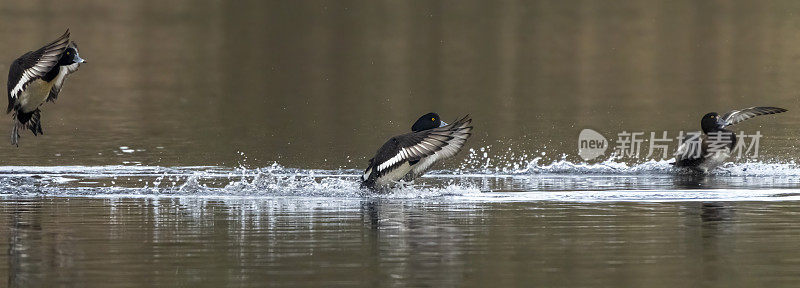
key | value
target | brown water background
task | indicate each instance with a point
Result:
(321, 85)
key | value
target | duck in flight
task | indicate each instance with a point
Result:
(703, 155)
(410, 155)
(37, 77)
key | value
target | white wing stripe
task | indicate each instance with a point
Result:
(394, 160)
(21, 84)
(435, 146)
(43, 65)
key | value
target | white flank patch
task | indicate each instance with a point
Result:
(394, 175)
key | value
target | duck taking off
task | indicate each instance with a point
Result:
(37, 77)
(410, 155)
(703, 154)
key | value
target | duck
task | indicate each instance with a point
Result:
(719, 142)
(37, 77)
(410, 155)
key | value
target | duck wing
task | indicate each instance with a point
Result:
(737, 116)
(33, 65)
(461, 130)
(412, 147)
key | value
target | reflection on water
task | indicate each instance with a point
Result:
(716, 212)
(369, 242)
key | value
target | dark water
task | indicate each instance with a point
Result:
(217, 143)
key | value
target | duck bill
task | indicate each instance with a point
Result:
(443, 124)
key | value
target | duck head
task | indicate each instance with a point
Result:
(711, 122)
(428, 121)
(70, 56)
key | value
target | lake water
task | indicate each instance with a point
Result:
(218, 143)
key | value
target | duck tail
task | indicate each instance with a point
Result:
(31, 121)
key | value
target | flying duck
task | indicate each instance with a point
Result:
(36, 77)
(410, 155)
(723, 140)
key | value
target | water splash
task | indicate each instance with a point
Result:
(508, 161)
(531, 179)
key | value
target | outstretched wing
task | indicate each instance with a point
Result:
(737, 116)
(33, 65)
(411, 147)
(461, 130)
